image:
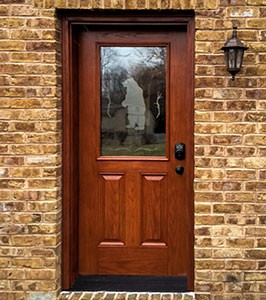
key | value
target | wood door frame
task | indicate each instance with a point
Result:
(71, 21)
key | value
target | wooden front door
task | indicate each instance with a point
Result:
(127, 114)
(135, 191)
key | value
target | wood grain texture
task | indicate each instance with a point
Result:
(112, 210)
(153, 221)
(154, 213)
(154, 205)
(132, 261)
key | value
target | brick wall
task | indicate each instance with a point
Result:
(230, 148)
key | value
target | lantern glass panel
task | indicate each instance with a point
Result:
(231, 58)
(239, 58)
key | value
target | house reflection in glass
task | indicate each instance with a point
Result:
(133, 98)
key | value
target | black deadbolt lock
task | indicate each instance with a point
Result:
(180, 151)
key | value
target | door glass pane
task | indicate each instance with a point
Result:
(133, 96)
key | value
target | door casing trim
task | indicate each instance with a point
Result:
(71, 20)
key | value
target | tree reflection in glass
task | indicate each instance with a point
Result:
(133, 92)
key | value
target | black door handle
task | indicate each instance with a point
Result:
(179, 170)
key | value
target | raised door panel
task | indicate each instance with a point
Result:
(153, 206)
(112, 209)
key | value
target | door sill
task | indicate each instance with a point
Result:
(130, 283)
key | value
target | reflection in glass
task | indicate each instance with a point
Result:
(133, 89)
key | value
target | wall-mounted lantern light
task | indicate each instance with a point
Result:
(234, 52)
